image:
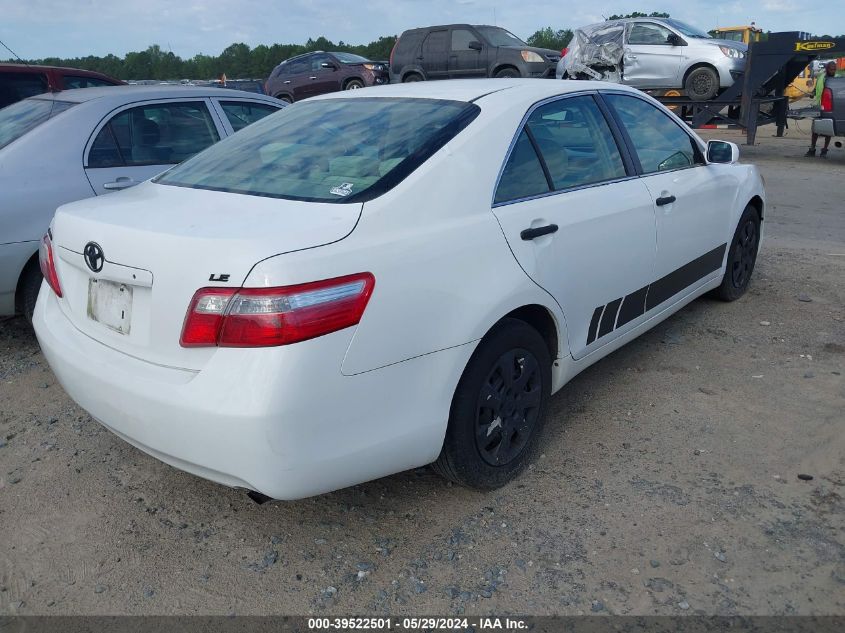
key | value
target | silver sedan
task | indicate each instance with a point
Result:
(60, 147)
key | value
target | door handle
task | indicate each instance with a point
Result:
(124, 182)
(664, 200)
(287, 81)
(530, 234)
(312, 78)
(629, 56)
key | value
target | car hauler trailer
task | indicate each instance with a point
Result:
(759, 97)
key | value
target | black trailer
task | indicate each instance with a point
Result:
(758, 97)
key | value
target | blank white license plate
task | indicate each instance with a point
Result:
(110, 303)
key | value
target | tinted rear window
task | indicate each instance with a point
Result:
(336, 150)
(23, 116)
(16, 86)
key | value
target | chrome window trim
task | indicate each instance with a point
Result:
(556, 192)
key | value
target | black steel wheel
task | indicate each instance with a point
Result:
(742, 256)
(499, 407)
(508, 407)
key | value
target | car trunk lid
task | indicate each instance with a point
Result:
(152, 247)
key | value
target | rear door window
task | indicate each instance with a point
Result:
(155, 134)
(17, 86)
(576, 143)
(523, 175)
(338, 150)
(435, 44)
(242, 113)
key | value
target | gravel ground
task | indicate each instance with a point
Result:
(697, 470)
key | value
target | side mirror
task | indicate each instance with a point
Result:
(675, 40)
(475, 45)
(328, 65)
(722, 152)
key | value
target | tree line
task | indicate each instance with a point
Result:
(241, 61)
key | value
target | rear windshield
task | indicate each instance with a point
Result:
(23, 116)
(333, 150)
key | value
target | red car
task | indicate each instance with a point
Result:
(317, 73)
(19, 81)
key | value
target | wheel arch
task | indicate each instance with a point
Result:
(413, 71)
(541, 319)
(353, 78)
(503, 66)
(696, 66)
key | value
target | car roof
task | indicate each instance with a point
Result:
(527, 90)
(454, 26)
(122, 94)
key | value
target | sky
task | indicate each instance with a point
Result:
(75, 28)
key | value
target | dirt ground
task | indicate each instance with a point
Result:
(669, 482)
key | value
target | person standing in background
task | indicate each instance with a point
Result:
(829, 71)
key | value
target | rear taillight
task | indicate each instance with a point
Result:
(564, 51)
(827, 100)
(265, 317)
(48, 264)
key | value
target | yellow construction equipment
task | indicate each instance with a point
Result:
(803, 85)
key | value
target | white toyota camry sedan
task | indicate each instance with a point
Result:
(373, 281)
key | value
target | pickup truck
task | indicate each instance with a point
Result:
(831, 121)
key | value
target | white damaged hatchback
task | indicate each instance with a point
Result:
(370, 282)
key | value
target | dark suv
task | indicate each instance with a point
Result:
(19, 81)
(458, 51)
(316, 73)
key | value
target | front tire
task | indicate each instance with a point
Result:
(499, 408)
(702, 84)
(411, 77)
(354, 84)
(742, 256)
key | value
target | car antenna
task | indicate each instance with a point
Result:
(13, 53)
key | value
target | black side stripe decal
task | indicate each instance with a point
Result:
(632, 307)
(637, 303)
(609, 318)
(594, 324)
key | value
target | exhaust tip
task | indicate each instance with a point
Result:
(838, 144)
(257, 497)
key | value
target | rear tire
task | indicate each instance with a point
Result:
(507, 73)
(285, 98)
(410, 77)
(742, 255)
(702, 84)
(499, 408)
(28, 287)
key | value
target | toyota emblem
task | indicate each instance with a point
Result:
(93, 254)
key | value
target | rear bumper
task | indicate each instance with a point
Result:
(282, 421)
